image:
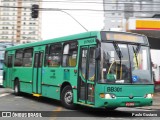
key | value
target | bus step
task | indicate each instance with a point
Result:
(89, 105)
(36, 95)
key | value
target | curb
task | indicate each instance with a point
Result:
(157, 94)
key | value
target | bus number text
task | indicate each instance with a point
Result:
(114, 89)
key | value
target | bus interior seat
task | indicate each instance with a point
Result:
(72, 61)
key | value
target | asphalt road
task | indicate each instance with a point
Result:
(26, 103)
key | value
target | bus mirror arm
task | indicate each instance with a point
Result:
(98, 53)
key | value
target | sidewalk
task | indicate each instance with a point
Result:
(5, 90)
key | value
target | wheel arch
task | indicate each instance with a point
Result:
(64, 84)
(16, 79)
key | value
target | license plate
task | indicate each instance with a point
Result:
(129, 104)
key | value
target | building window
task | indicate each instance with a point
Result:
(119, 14)
(113, 14)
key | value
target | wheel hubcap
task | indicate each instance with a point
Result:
(68, 97)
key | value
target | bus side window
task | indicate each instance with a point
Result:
(83, 62)
(70, 54)
(46, 56)
(91, 72)
(18, 58)
(65, 55)
(27, 58)
(54, 58)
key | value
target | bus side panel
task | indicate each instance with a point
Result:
(51, 80)
(26, 87)
(72, 79)
(4, 76)
(51, 91)
(24, 75)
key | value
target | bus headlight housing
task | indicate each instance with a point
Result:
(148, 96)
(107, 96)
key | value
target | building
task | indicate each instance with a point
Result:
(117, 12)
(16, 24)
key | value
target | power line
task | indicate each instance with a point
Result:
(74, 19)
(14, 7)
(66, 1)
(113, 3)
(73, 1)
(67, 9)
(56, 9)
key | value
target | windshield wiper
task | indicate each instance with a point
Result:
(119, 53)
(118, 50)
(138, 48)
(136, 51)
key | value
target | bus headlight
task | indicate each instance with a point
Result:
(107, 96)
(148, 96)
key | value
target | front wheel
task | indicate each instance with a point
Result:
(67, 97)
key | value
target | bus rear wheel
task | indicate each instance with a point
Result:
(67, 97)
(17, 88)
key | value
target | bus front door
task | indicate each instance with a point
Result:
(9, 71)
(37, 72)
(87, 75)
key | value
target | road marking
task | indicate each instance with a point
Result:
(4, 94)
(58, 109)
(18, 97)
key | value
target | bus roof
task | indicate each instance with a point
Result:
(60, 39)
(65, 38)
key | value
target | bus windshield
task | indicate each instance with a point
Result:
(125, 64)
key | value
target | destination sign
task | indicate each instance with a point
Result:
(126, 37)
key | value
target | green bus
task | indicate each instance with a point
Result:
(96, 69)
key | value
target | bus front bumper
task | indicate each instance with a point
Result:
(124, 102)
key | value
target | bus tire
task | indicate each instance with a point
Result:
(67, 97)
(16, 88)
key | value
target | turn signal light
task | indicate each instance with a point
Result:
(102, 95)
(107, 96)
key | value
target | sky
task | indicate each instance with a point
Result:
(57, 24)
